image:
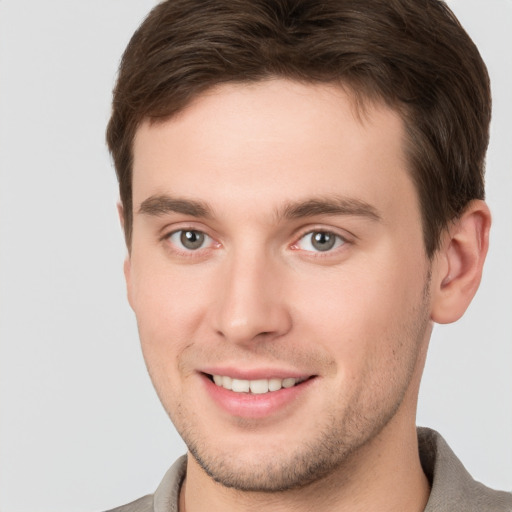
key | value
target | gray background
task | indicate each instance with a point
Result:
(80, 427)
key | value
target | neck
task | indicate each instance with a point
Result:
(384, 475)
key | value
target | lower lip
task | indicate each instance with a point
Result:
(252, 405)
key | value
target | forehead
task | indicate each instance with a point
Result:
(274, 140)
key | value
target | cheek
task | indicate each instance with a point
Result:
(358, 315)
(168, 311)
(162, 294)
(169, 305)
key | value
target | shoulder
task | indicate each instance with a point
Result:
(144, 504)
(453, 488)
(166, 497)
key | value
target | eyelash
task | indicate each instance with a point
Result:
(338, 241)
(177, 244)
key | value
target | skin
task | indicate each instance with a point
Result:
(256, 169)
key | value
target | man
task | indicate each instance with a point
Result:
(302, 197)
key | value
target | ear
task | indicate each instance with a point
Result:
(127, 278)
(127, 261)
(120, 213)
(458, 265)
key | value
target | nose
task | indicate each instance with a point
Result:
(251, 301)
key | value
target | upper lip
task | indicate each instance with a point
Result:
(256, 373)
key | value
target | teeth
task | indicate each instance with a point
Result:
(240, 386)
(288, 383)
(275, 384)
(259, 386)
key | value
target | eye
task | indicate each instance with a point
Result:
(319, 241)
(189, 239)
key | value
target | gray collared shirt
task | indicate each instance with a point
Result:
(453, 489)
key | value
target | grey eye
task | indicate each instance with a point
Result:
(189, 239)
(192, 239)
(323, 241)
(320, 241)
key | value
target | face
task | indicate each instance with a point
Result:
(279, 279)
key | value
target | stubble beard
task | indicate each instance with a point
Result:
(339, 440)
(311, 462)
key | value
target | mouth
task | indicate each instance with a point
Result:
(256, 386)
(258, 396)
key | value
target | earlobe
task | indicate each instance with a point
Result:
(458, 266)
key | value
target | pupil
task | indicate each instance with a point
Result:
(323, 241)
(192, 239)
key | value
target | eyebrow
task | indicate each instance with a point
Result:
(164, 204)
(329, 206)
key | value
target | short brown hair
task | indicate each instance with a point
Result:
(411, 54)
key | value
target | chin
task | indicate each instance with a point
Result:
(282, 466)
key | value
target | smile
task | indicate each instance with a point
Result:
(257, 397)
(258, 386)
